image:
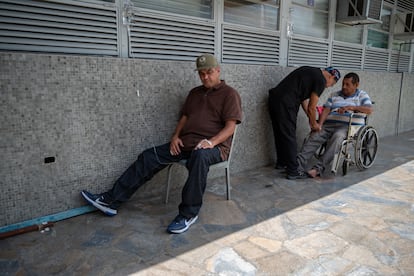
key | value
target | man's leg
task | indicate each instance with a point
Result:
(148, 163)
(143, 169)
(339, 133)
(276, 133)
(287, 116)
(198, 166)
(310, 146)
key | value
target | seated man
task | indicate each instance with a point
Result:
(202, 136)
(334, 122)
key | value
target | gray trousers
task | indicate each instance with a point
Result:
(333, 134)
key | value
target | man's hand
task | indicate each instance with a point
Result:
(175, 145)
(316, 127)
(344, 109)
(204, 144)
(357, 109)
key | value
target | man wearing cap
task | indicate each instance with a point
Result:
(335, 121)
(202, 136)
(303, 86)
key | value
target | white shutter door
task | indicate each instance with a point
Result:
(247, 45)
(306, 52)
(347, 56)
(58, 27)
(376, 60)
(161, 36)
(407, 5)
(399, 62)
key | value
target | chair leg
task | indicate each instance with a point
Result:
(228, 183)
(167, 190)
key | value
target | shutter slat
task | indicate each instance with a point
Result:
(36, 26)
(163, 41)
(72, 44)
(26, 31)
(52, 49)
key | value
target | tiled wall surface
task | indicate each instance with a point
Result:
(71, 123)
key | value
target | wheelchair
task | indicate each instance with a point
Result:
(358, 148)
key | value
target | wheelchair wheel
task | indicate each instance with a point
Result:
(366, 147)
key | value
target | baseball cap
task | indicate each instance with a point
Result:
(334, 72)
(206, 61)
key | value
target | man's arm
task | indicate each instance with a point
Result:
(313, 101)
(176, 142)
(324, 115)
(220, 137)
(304, 105)
(358, 109)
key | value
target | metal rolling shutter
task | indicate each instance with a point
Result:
(376, 60)
(58, 27)
(247, 45)
(347, 57)
(161, 36)
(405, 5)
(399, 62)
(306, 52)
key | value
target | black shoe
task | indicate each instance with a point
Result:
(298, 175)
(280, 167)
(101, 202)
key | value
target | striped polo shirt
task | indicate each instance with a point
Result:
(338, 100)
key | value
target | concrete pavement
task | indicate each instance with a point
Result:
(358, 224)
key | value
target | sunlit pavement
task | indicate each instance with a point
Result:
(358, 224)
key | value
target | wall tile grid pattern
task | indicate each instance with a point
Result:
(86, 113)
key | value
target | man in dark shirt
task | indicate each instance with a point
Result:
(202, 136)
(303, 86)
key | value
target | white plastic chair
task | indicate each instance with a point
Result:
(223, 164)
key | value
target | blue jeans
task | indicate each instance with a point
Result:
(154, 159)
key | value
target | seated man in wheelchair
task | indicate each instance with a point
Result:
(334, 124)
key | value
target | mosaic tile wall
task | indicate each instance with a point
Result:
(71, 123)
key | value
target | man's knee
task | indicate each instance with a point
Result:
(200, 155)
(338, 135)
(149, 152)
(205, 157)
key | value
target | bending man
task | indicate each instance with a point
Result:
(284, 100)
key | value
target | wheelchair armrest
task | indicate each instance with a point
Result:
(359, 114)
